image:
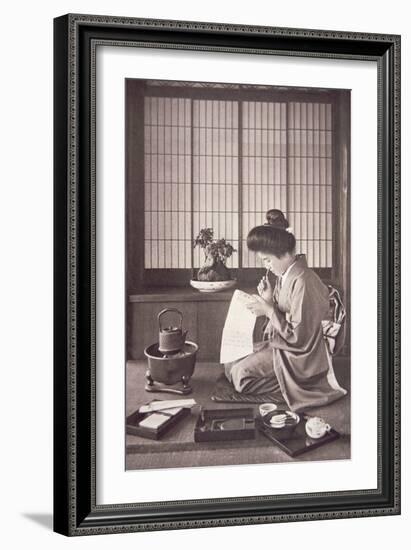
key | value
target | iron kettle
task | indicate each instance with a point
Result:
(171, 339)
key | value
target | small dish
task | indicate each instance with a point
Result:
(282, 421)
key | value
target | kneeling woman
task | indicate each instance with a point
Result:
(294, 356)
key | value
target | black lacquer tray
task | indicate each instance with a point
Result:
(294, 441)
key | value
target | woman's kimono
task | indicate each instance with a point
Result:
(294, 356)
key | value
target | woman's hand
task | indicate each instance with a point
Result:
(260, 307)
(265, 290)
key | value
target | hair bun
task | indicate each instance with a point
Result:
(276, 219)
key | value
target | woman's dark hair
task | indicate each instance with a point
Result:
(276, 218)
(272, 237)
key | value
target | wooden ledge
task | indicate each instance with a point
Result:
(183, 294)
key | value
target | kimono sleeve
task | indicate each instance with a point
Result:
(298, 329)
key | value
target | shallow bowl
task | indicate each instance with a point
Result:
(212, 286)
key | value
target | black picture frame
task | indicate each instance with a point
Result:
(75, 40)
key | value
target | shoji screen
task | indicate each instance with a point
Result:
(264, 163)
(310, 179)
(167, 150)
(223, 164)
(215, 172)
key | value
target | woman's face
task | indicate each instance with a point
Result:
(271, 262)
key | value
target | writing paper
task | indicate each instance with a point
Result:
(237, 338)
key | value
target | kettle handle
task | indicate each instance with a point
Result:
(166, 310)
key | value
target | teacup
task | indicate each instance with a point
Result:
(266, 408)
(316, 427)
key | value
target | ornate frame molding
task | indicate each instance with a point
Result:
(76, 40)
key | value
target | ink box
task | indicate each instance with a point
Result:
(225, 425)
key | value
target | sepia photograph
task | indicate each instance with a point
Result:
(237, 341)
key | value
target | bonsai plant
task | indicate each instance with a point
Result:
(216, 254)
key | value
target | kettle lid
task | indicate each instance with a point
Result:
(170, 329)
